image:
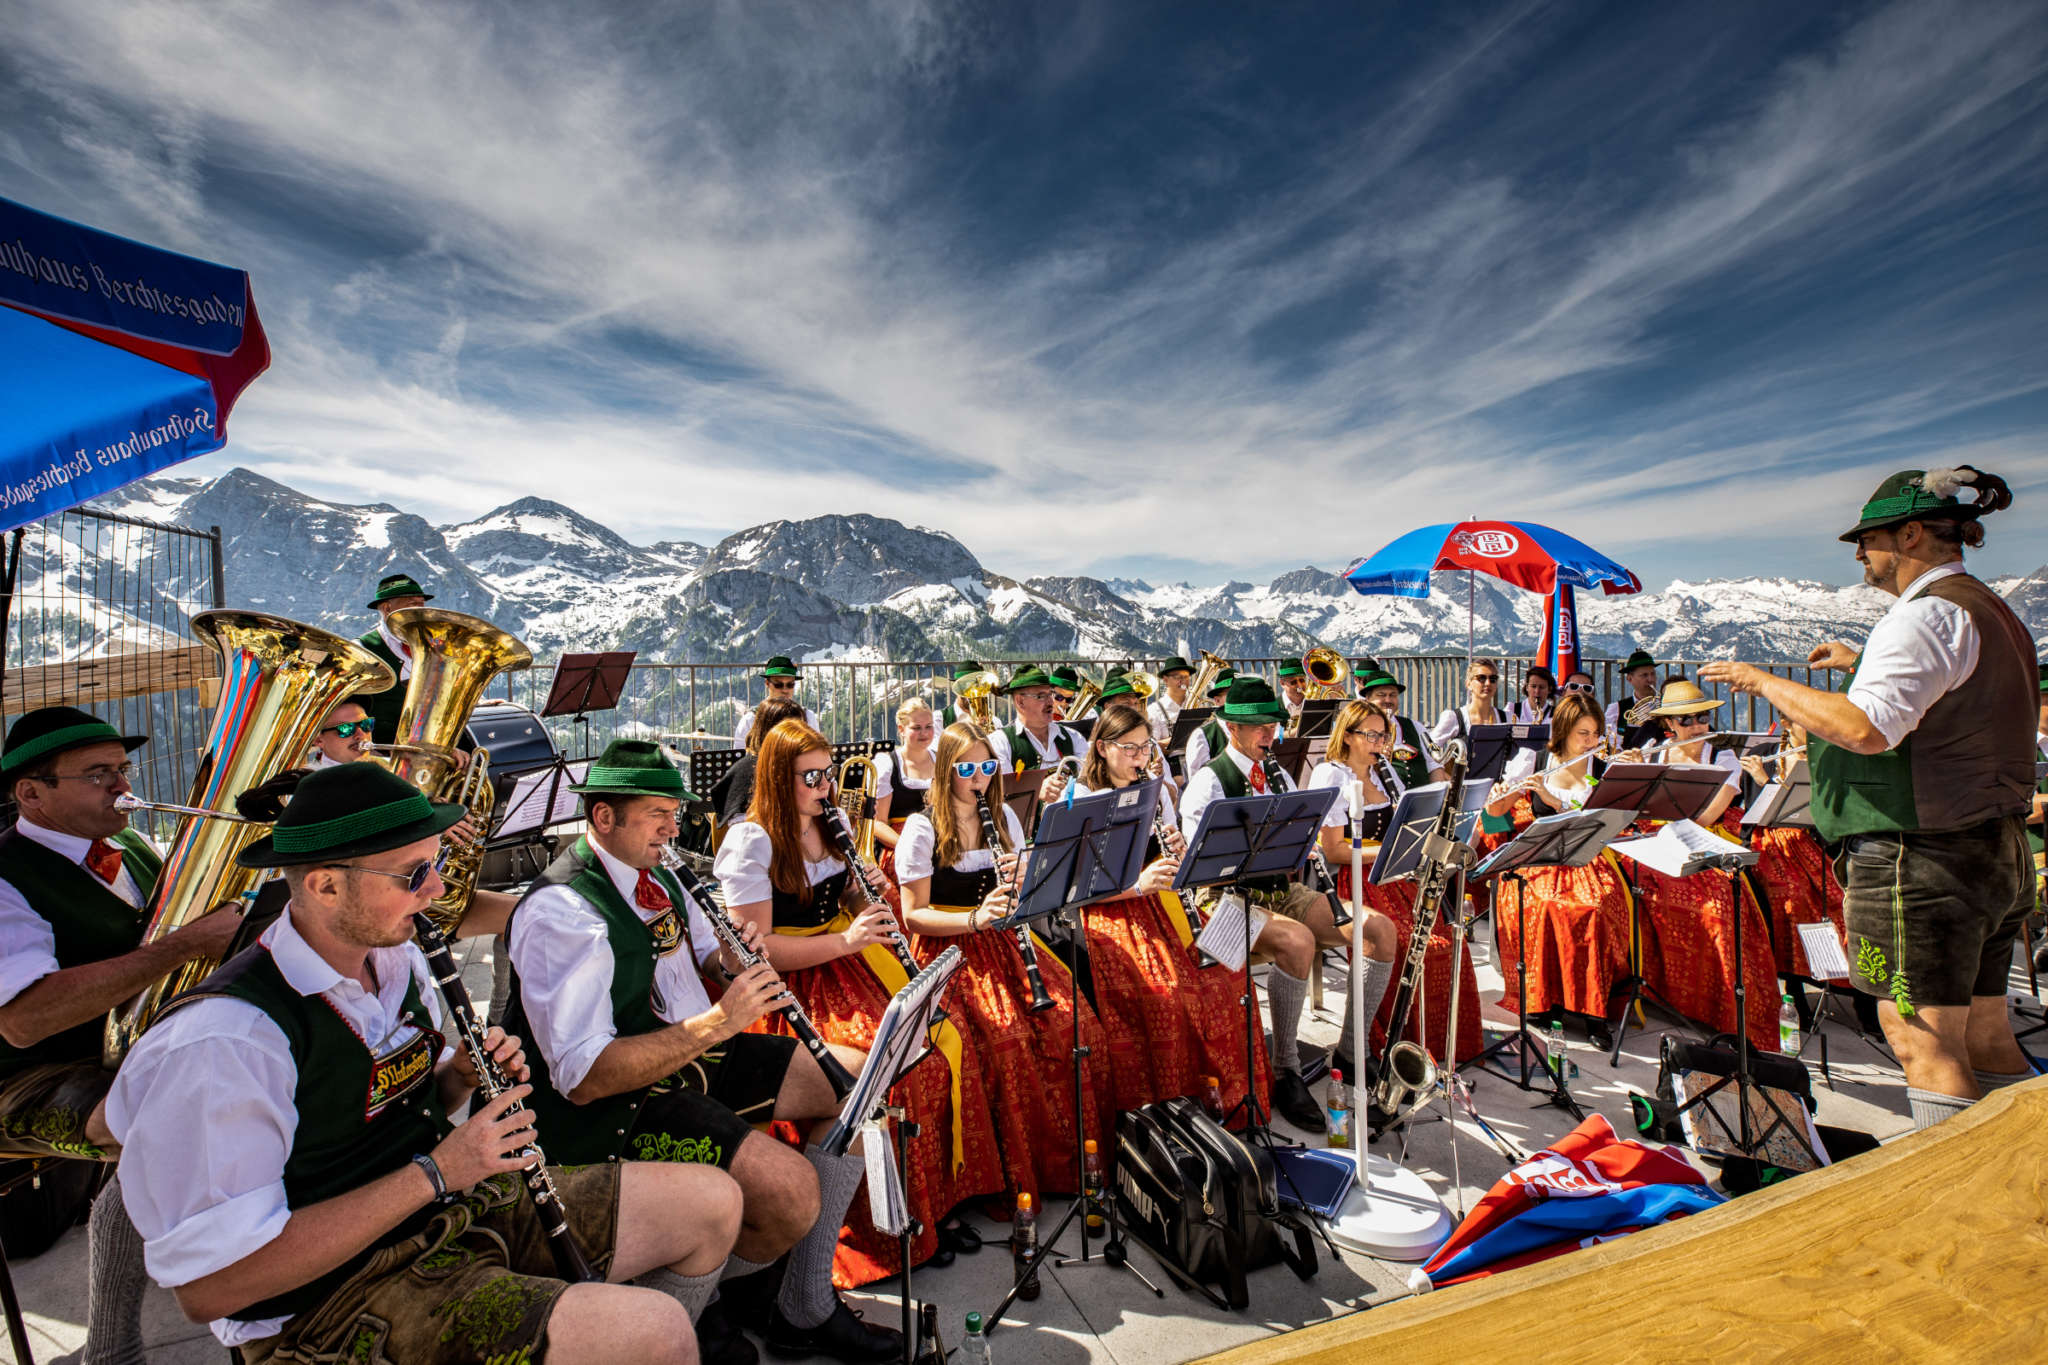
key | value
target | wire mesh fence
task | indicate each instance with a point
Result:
(98, 613)
(692, 704)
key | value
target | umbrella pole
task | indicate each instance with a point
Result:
(1469, 591)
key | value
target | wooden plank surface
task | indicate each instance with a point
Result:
(1934, 1247)
(107, 678)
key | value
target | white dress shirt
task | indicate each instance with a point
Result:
(203, 1108)
(1205, 787)
(1528, 713)
(398, 647)
(1163, 712)
(742, 865)
(1918, 652)
(914, 848)
(563, 956)
(28, 946)
(739, 736)
(1448, 728)
(1045, 754)
(1329, 774)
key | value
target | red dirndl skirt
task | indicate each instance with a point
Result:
(1577, 949)
(845, 1001)
(1025, 1058)
(1169, 1022)
(1397, 903)
(1799, 882)
(1689, 951)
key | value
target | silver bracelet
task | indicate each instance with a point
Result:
(425, 1161)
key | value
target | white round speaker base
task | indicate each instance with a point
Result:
(1390, 1213)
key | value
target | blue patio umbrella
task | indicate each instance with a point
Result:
(117, 360)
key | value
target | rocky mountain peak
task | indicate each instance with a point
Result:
(1310, 581)
(857, 559)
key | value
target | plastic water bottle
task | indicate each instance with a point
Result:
(1559, 1057)
(1023, 1242)
(974, 1350)
(1339, 1107)
(1212, 1097)
(1091, 1188)
(1788, 1027)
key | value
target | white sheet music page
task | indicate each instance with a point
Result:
(1825, 956)
(886, 1206)
(1674, 849)
(1223, 937)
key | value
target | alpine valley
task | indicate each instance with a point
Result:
(867, 588)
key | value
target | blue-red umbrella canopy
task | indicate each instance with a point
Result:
(117, 360)
(1538, 558)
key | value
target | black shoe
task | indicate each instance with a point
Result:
(1293, 1102)
(957, 1234)
(1599, 1035)
(719, 1339)
(844, 1336)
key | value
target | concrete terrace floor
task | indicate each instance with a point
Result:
(1103, 1316)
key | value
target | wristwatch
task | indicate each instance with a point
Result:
(425, 1162)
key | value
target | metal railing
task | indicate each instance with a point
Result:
(685, 703)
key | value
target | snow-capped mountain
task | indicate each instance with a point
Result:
(866, 587)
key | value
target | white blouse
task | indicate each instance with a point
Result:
(888, 777)
(914, 848)
(742, 865)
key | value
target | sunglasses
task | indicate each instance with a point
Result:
(1485, 678)
(414, 880)
(815, 777)
(1689, 720)
(347, 727)
(1578, 687)
(987, 768)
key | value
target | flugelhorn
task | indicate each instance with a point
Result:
(279, 679)
(1325, 669)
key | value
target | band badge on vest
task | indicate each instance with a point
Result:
(667, 928)
(399, 1072)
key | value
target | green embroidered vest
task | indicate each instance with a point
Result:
(579, 1134)
(1024, 753)
(1414, 771)
(90, 923)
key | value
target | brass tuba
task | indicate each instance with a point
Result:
(1325, 668)
(976, 694)
(857, 783)
(279, 679)
(1198, 686)
(1090, 692)
(454, 657)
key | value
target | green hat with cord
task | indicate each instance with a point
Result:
(633, 767)
(351, 810)
(1031, 675)
(1922, 495)
(780, 667)
(1250, 701)
(1290, 668)
(1368, 680)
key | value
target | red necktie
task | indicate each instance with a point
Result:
(648, 893)
(1258, 777)
(103, 860)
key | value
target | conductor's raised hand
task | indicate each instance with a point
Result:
(488, 1142)
(1834, 654)
(1738, 677)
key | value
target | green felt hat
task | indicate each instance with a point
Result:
(1367, 681)
(399, 585)
(51, 730)
(1251, 702)
(1639, 659)
(1365, 668)
(780, 667)
(634, 767)
(1222, 681)
(966, 668)
(1117, 685)
(1923, 494)
(1175, 664)
(349, 811)
(1031, 675)
(1065, 678)
(1290, 668)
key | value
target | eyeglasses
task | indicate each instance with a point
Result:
(1372, 736)
(1578, 687)
(348, 727)
(986, 767)
(414, 880)
(815, 777)
(99, 777)
(1129, 750)
(1037, 696)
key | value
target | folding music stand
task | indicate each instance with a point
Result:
(1316, 717)
(1492, 746)
(1190, 719)
(585, 683)
(1413, 821)
(902, 1040)
(1294, 755)
(1651, 791)
(1573, 839)
(1084, 850)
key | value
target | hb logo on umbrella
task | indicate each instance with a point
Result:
(1491, 544)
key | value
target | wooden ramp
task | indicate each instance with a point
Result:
(1934, 1247)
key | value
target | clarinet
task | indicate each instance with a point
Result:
(836, 830)
(570, 1262)
(1028, 950)
(836, 1074)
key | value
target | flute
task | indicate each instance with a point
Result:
(570, 1262)
(836, 1074)
(1026, 949)
(836, 830)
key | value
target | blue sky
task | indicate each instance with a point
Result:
(1196, 291)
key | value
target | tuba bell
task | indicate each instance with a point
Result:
(454, 657)
(279, 679)
(976, 694)
(1085, 699)
(1325, 668)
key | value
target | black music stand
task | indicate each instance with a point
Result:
(1491, 746)
(1190, 719)
(1317, 715)
(1294, 755)
(1653, 791)
(1573, 839)
(902, 1040)
(585, 683)
(1085, 850)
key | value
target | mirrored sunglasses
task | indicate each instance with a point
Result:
(348, 727)
(987, 768)
(815, 777)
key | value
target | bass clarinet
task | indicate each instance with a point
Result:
(570, 1262)
(1028, 950)
(836, 1074)
(841, 837)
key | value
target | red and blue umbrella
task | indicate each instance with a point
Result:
(1539, 558)
(117, 360)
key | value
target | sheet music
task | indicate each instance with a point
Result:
(527, 808)
(887, 1206)
(1223, 937)
(1680, 849)
(893, 1043)
(1825, 955)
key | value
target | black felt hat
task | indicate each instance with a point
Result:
(349, 811)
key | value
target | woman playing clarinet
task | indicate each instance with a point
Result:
(840, 954)
(956, 885)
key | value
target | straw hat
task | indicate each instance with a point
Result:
(1681, 697)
